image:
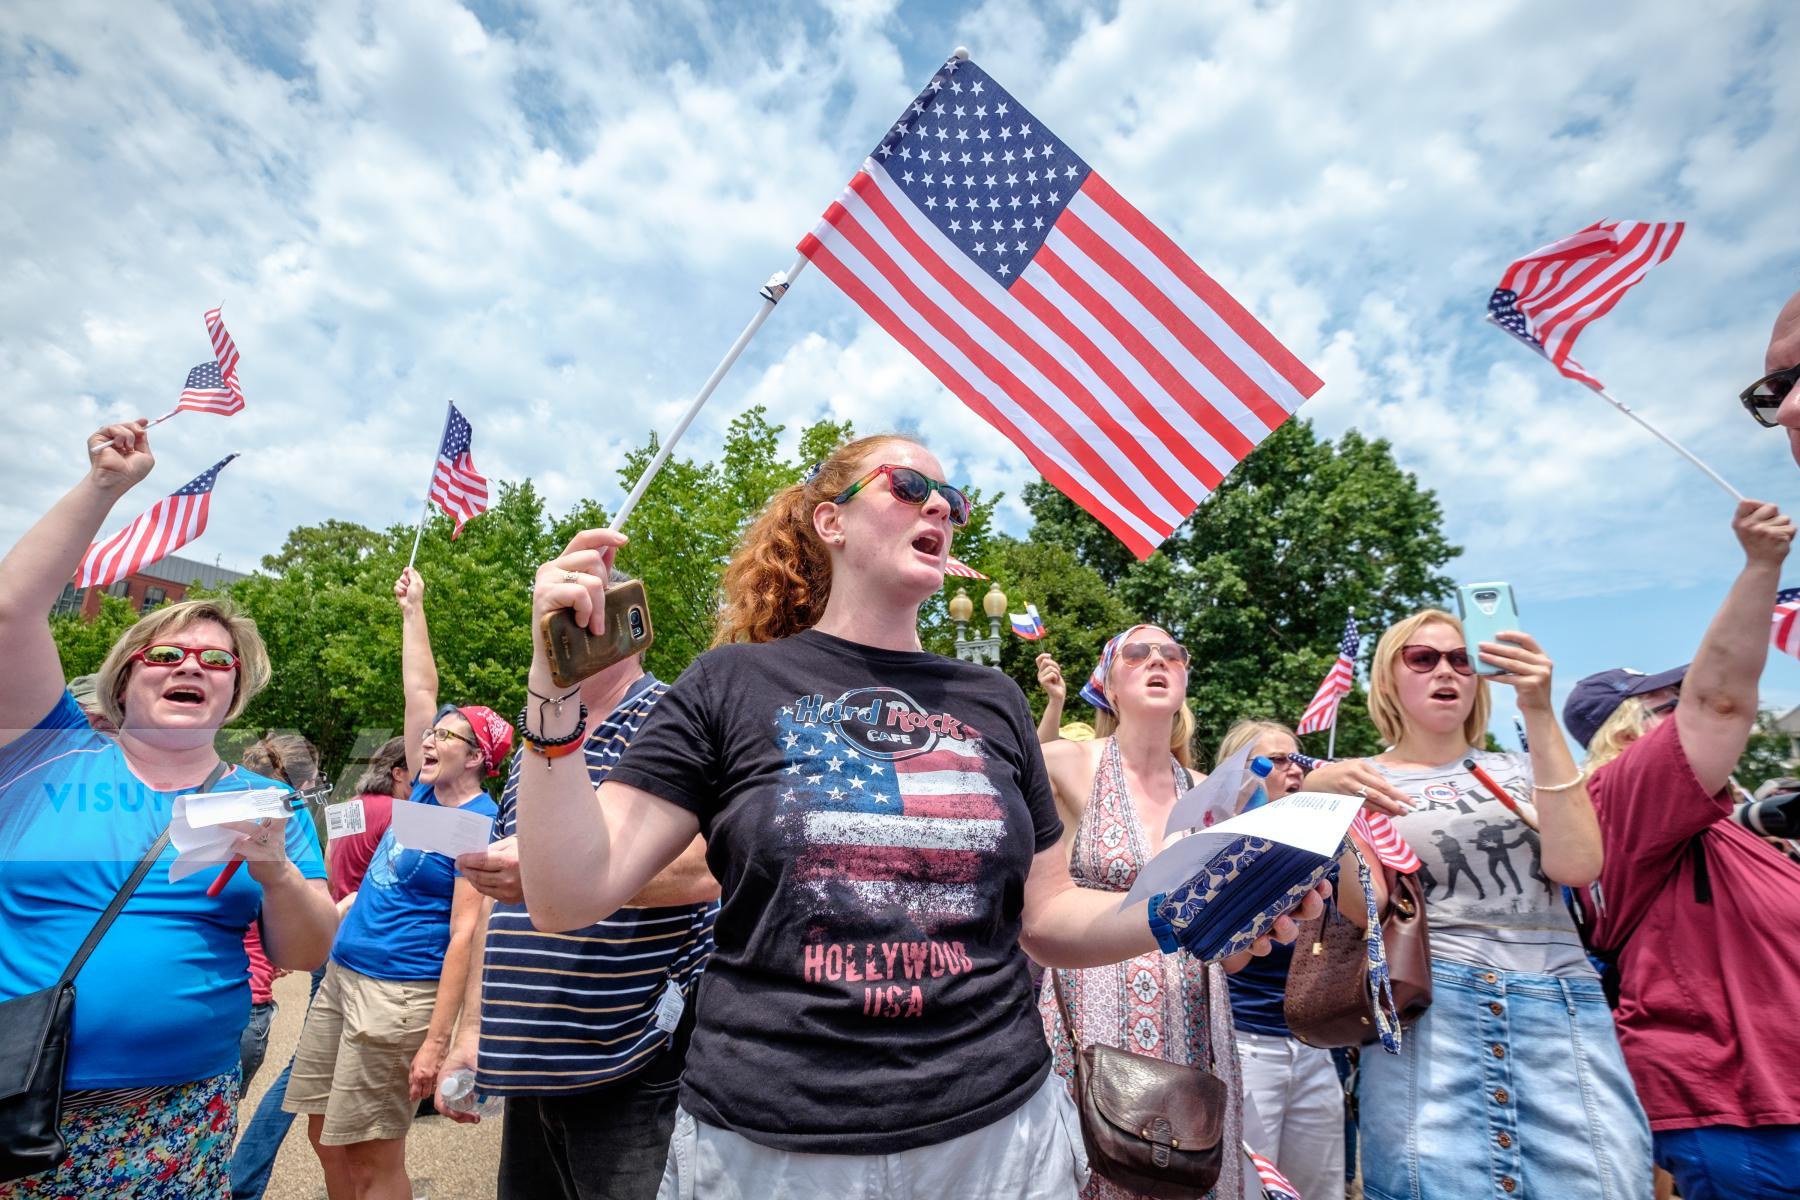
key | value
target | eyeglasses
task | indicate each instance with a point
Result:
(1169, 652)
(1283, 761)
(435, 734)
(1763, 398)
(1424, 659)
(913, 487)
(174, 656)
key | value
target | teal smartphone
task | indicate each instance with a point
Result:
(1485, 609)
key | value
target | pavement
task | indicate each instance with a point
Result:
(447, 1161)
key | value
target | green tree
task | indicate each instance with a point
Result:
(1258, 581)
(1767, 756)
(82, 645)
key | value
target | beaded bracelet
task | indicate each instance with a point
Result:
(549, 743)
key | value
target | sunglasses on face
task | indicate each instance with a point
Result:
(435, 734)
(1169, 652)
(1424, 659)
(1663, 709)
(1283, 761)
(913, 487)
(174, 656)
(1762, 399)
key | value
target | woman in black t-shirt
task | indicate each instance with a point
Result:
(883, 831)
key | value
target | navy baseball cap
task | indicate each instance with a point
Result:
(1598, 696)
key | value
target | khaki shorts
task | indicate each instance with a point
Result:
(354, 1061)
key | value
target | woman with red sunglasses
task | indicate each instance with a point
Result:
(885, 838)
(151, 1082)
(1512, 1081)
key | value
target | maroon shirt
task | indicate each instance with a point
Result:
(348, 857)
(1705, 988)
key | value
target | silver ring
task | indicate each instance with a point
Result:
(1362, 793)
(571, 577)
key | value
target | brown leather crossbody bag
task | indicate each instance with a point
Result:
(1151, 1126)
(1327, 1002)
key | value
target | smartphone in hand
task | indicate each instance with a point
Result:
(1485, 609)
(575, 654)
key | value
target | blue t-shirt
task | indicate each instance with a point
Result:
(1258, 990)
(399, 926)
(166, 994)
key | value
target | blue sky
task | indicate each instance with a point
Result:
(558, 214)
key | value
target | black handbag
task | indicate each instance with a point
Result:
(34, 1044)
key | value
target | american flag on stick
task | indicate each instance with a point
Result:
(962, 570)
(1784, 623)
(1548, 297)
(212, 386)
(1053, 308)
(1321, 710)
(456, 486)
(1275, 1185)
(170, 524)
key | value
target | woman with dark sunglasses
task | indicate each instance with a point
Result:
(1774, 399)
(381, 1021)
(151, 1082)
(1113, 796)
(887, 844)
(1512, 1081)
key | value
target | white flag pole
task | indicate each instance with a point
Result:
(426, 511)
(1331, 738)
(771, 293)
(1666, 440)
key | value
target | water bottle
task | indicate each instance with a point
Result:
(459, 1096)
(1254, 794)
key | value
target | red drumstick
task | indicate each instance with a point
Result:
(225, 874)
(1499, 793)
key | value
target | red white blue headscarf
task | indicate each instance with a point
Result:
(1094, 690)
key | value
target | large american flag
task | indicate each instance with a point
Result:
(1054, 309)
(914, 833)
(456, 486)
(1784, 623)
(1548, 297)
(168, 525)
(1321, 710)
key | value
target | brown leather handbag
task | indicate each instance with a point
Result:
(1327, 1002)
(1154, 1127)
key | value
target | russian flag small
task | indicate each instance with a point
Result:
(1030, 626)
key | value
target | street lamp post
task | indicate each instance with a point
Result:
(985, 651)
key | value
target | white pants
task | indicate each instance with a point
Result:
(1034, 1154)
(1294, 1111)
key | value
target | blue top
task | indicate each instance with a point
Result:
(1257, 992)
(569, 1012)
(167, 991)
(399, 926)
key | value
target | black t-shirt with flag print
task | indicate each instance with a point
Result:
(871, 816)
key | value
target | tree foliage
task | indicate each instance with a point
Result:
(82, 645)
(1767, 756)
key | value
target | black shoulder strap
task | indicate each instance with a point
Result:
(126, 889)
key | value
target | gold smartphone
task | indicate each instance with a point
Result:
(575, 653)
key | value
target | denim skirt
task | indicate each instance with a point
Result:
(1510, 1086)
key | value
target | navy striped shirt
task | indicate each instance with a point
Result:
(564, 1012)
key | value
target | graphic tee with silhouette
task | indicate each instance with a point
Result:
(1486, 894)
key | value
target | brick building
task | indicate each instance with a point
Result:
(159, 583)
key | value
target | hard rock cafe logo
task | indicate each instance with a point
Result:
(881, 721)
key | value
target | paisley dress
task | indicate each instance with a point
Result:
(1169, 1006)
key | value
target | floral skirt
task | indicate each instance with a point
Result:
(172, 1145)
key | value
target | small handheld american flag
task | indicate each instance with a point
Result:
(1321, 710)
(212, 386)
(1054, 309)
(166, 527)
(962, 570)
(456, 486)
(1548, 297)
(1784, 622)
